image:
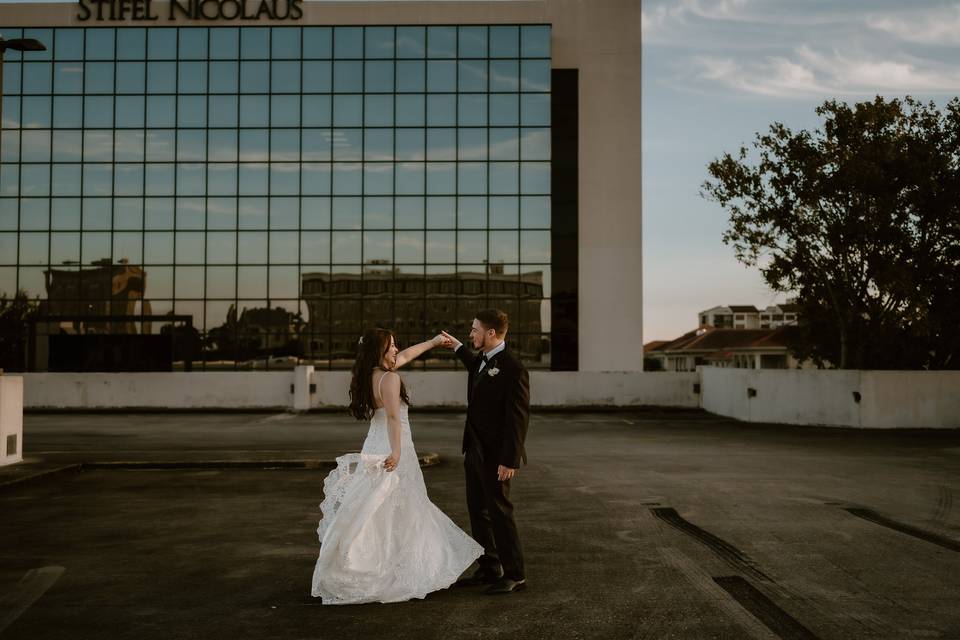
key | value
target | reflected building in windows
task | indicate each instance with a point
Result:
(407, 302)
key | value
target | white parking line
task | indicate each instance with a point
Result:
(32, 585)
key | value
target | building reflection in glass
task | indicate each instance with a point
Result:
(198, 198)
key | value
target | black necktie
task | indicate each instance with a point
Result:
(483, 362)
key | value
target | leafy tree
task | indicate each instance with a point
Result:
(862, 220)
(15, 316)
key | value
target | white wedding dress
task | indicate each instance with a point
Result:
(381, 539)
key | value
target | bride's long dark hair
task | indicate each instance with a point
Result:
(370, 351)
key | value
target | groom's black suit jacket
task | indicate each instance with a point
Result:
(498, 407)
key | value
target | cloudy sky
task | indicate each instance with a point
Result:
(715, 72)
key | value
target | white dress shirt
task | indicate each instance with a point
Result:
(489, 354)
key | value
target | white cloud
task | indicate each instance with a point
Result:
(940, 25)
(808, 72)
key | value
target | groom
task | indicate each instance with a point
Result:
(498, 410)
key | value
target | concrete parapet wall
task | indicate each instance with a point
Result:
(887, 399)
(329, 389)
(162, 390)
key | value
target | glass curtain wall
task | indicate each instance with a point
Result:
(275, 189)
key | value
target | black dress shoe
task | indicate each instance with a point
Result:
(480, 577)
(505, 585)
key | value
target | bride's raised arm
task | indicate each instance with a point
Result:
(412, 353)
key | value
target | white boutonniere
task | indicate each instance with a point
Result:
(493, 371)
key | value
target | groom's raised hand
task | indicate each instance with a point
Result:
(450, 342)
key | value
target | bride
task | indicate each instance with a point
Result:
(381, 539)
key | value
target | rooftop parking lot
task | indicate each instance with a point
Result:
(635, 525)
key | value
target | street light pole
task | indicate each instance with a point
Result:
(17, 44)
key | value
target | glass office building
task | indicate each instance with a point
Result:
(235, 197)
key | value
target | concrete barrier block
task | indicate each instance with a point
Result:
(11, 419)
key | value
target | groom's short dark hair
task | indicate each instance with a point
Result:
(494, 319)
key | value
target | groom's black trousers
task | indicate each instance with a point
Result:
(491, 516)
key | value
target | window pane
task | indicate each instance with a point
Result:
(161, 111)
(98, 111)
(255, 42)
(36, 112)
(131, 43)
(254, 111)
(535, 144)
(441, 212)
(378, 110)
(441, 42)
(347, 76)
(192, 111)
(504, 75)
(411, 42)
(224, 76)
(472, 42)
(441, 247)
(535, 109)
(535, 177)
(504, 42)
(317, 76)
(441, 178)
(315, 213)
(535, 246)
(535, 211)
(161, 43)
(317, 111)
(317, 42)
(38, 77)
(441, 144)
(411, 110)
(100, 44)
(11, 77)
(161, 77)
(285, 111)
(254, 77)
(252, 213)
(472, 109)
(441, 76)
(471, 212)
(224, 43)
(67, 145)
(193, 43)
(69, 44)
(224, 111)
(504, 212)
(472, 75)
(192, 77)
(535, 41)
(285, 42)
(254, 179)
(504, 109)
(35, 146)
(535, 75)
(347, 110)
(378, 144)
(285, 76)
(411, 76)
(441, 110)
(131, 77)
(472, 144)
(348, 42)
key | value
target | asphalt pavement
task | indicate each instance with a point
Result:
(634, 525)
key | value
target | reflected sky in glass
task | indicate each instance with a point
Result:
(254, 146)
